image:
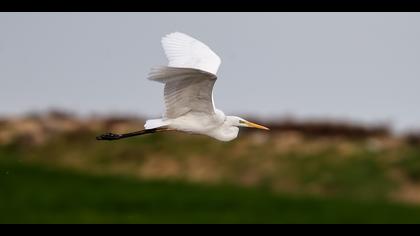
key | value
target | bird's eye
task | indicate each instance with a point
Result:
(241, 122)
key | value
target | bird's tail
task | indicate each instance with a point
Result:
(155, 123)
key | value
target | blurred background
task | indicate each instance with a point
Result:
(338, 90)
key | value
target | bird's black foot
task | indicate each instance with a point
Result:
(108, 136)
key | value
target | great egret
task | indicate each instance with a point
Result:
(189, 79)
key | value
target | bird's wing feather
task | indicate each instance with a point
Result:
(186, 52)
(186, 89)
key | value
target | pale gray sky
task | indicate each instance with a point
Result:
(361, 66)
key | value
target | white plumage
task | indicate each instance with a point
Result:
(186, 52)
(189, 79)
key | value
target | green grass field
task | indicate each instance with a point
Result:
(36, 194)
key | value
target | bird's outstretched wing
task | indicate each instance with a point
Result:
(190, 76)
(186, 52)
(186, 89)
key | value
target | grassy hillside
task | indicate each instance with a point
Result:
(363, 169)
(56, 172)
(35, 194)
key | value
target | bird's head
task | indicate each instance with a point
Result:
(240, 122)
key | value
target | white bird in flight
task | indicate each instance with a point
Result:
(189, 79)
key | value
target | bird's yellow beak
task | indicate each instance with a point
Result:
(257, 126)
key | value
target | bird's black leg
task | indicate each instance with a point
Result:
(111, 136)
(108, 136)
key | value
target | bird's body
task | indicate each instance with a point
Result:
(189, 79)
(216, 125)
